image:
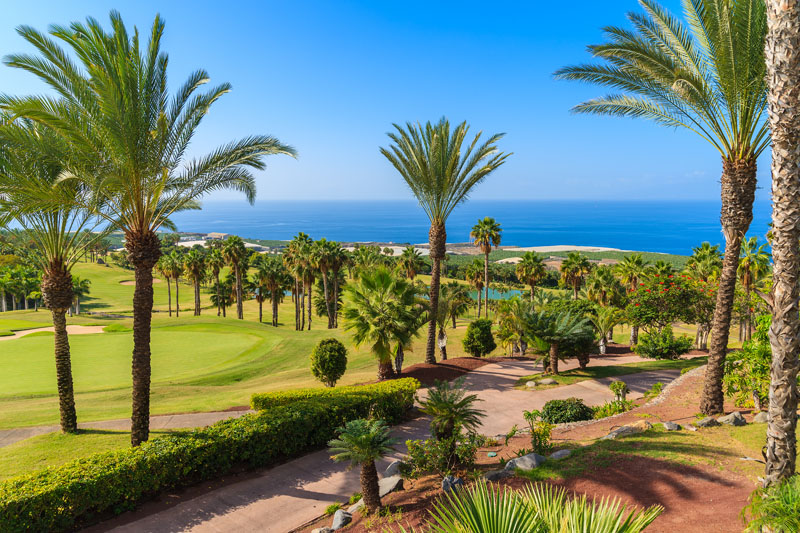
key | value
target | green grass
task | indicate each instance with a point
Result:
(598, 372)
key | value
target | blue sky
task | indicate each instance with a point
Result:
(329, 78)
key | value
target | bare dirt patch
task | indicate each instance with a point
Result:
(131, 283)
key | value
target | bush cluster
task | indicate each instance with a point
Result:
(65, 497)
(663, 345)
(479, 341)
(568, 410)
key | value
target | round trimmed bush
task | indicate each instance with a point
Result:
(329, 361)
(479, 340)
(569, 410)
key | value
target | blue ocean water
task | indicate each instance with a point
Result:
(655, 226)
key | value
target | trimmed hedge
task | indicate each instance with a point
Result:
(65, 497)
(390, 399)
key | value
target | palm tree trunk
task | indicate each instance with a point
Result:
(327, 299)
(454, 321)
(303, 307)
(398, 360)
(385, 370)
(634, 335)
(3, 301)
(77, 305)
(196, 298)
(57, 295)
(239, 295)
(369, 487)
(554, 358)
(480, 295)
(486, 283)
(144, 251)
(13, 302)
(260, 309)
(169, 297)
(437, 236)
(783, 75)
(603, 343)
(748, 314)
(216, 278)
(442, 342)
(177, 303)
(738, 191)
(274, 311)
(335, 298)
(310, 287)
(532, 289)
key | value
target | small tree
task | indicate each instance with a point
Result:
(661, 301)
(329, 361)
(479, 340)
(361, 442)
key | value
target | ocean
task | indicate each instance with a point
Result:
(653, 226)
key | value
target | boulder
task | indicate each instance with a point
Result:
(690, 427)
(707, 422)
(496, 475)
(560, 454)
(323, 530)
(733, 419)
(530, 385)
(450, 483)
(761, 418)
(390, 484)
(631, 429)
(548, 381)
(393, 469)
(671, 426)
(341, 519)
(526, 462)
(356, 506)
(491, 454)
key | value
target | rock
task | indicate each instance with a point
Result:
(530, 385)
(707, 422)
(390, 484)
(671, 426)
(733, 419)
(341, 519)
(690, 427)
(452, 483)
(356, 506)
(631, 429)
(548, 381)
(393, 469)
(560, 454)
(323, 530)
(496, 475)
(491, 454)
(526, 462)
(761, 418)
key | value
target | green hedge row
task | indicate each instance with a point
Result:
(65, 497)
(390, 399)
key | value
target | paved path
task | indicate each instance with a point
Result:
(72, 330)
(284, 497)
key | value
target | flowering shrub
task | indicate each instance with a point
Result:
(663, 300)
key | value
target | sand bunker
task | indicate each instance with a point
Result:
(131, 282)
(72, 330)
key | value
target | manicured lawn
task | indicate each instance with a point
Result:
(598, 372)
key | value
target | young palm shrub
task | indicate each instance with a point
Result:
(362, 442)
(486, 233)
(604, 322)
(556, 330)
(451, 409)
(441, 168)
(775, 509)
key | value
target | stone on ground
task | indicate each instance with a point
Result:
(393, 469)
(733, 419)
(631, 429)
(390, 484)
(560, 454)
(548, 381)
(690, 427)
(496, 475)
(526, 462)
(707, 422)
(531, 385)
(671, 426)
(341, 519)
(761, 418)
(323, 530)
(356, 506)
(452, 483)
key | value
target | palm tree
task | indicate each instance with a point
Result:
(114, 106)
(410, 262)
(753, 266)
(31, 194)
(215, 262)
(709, 78)
(631, 270)
(573, 270)
(309, 271)
(163, 267)
(603, 288)
(364, 258)
(338, 260)
(556, 329)
(194, 265)
(474, 276)
(382, 312)
(604, 322)
(451, 409)
(531, 270)
(485, 234)
(80, 289)
(661, 269)
(440, 170)
(705, 252)
(272, 279)
(362, 442)
(322, 254)
(235, 254)
(176, 269)
(783, 75)
(460, 300)
(513, 316)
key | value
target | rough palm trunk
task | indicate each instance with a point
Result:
(437, 236)
(143, 251)
(634, 335)
(327, 298)
(239, 295)
(169, 296)
(196, 298)
(260, 309)
(486, 283)
(480, 295)
(398, 360)
(738, 191)
(603, 344)
(783, 77)
(336, 298)
(274, 311)
(310, 286)
(216, 278)
(442, 342)
(177, 302)
(302, 307)
(554, 358)
(57, 295)
(369, 487)
(3, 302)
(385, 370)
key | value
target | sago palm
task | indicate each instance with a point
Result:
(485, 234)
(440, 166)
(451, 409)
(708, 77)
(114, 106)
(531, 270)
(555, 330)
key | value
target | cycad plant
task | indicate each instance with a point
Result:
(441, 167)
(451, 409)
(708, 77)
(114, 107)
(361, 443)
(485, 234)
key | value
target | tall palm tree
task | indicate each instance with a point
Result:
(322, 254)
(194, 266)
(31, 162)
(513, 316)
(80, 289)
(308, 265)
(235, 254)
(783, 75)
(460, 300)
(709, 78)
(485, 234)
(338, 259)
(574, 269)
(410, 262)
(114, 105)
(175, 265)
(703, 253)
(661, 269)
(602, 287)
(753, 266)
(440, 169)
(164, 268)
(272, 279)
(474, 276)
(631, 270)
(215, 262)
(531, 270)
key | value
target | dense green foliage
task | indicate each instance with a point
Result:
(479, 340)
(614, 407)
(61, 498)
(660, 301)
(329, 361)
(663, 344)
(442, 457)
(775, 509)
(540, 432)
(568, 410)
(451, 409)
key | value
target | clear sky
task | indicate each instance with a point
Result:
(329, 78)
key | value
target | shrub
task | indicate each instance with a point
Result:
(540, 432)
(654, 391)
(441, 456)
(389, 399)
(620, 389)
(569, 410)
(776, 508)
(612, 408)
(65, 497)
(451, 409)
(662, 345)
(479, 340)
(329, 361)
(747, 371)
